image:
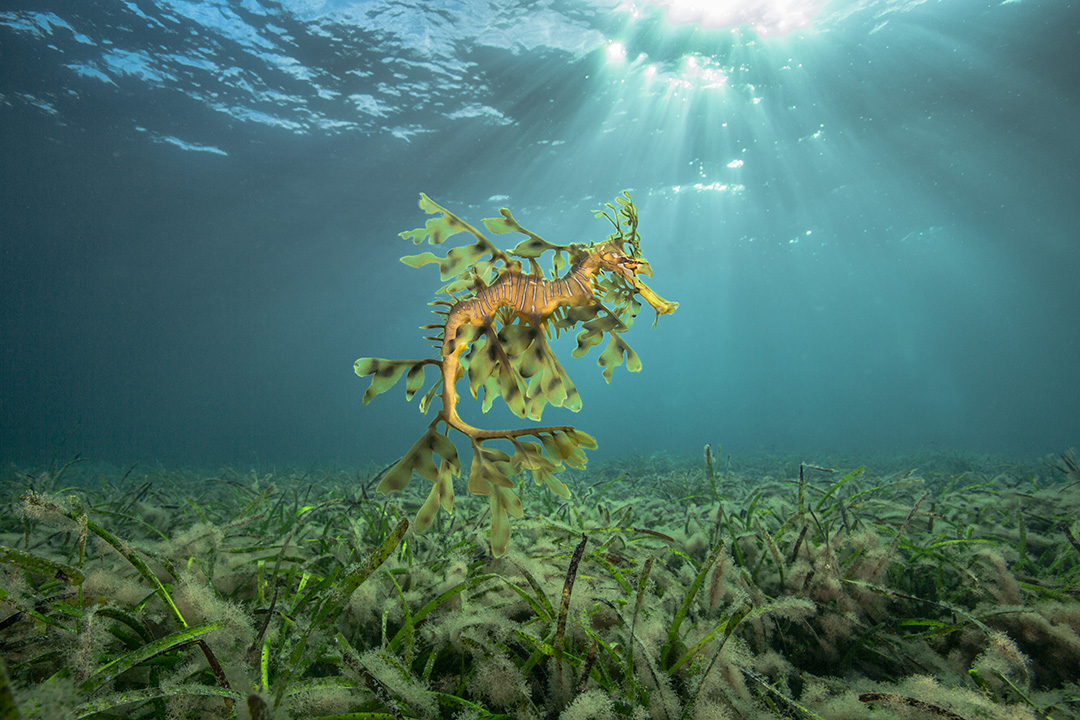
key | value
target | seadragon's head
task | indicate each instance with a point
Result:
(609, 257)
(620, 256)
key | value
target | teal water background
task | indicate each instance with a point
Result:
(867, 210)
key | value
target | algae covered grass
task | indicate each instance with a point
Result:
(662, 589)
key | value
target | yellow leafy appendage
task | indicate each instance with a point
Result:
(494, 330)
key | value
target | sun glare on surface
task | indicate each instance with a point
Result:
(616, 52)
(768, 18)
(712, 46)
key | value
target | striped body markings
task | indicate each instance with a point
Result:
(529, 295)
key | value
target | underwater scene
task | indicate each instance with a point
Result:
(558, 360)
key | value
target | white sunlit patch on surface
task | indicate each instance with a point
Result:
(681, 49)
(40, 24)
(616, 52)
(768, 18)
(475, 110)
(184, 145)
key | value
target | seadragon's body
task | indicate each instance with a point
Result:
(528, 296)
(496, 335)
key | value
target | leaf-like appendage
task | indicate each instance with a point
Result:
(466, 336)
(593, 332)
(442, 494)
(490, 367)
(612, 357)
(445, 448)
(550, 383)
(532, 248)
(622, 297)
(529, 456)
(535, 400)
(385, 374)
(456, 263)
(481, 373)
(425, 402)
(583, 439)
(580, 314)
(457, 286)
(420, 459)
(556, 385)
(491, 391)
(532, 354)
(586, 339)
(503, 503)
(543, 379)
(490, 468)
(558, 264)
(552, 449)
(481, 367)
(512, 387)
(435, 230)
(505, 223)
(421, 259)
(414, 380)
(554, 484)
(460, 259)
(569, 449)
(515, 339)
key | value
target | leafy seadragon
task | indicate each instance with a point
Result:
(495, 331)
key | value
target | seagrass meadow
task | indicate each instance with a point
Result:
(945, 587)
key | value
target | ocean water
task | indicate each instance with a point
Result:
(867, 210)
